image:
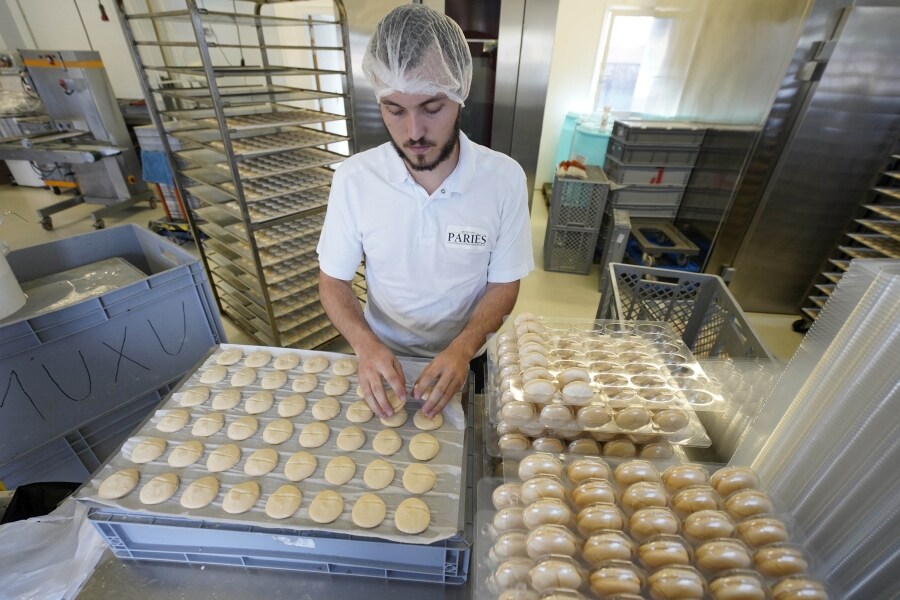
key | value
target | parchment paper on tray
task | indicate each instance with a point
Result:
(443, 500)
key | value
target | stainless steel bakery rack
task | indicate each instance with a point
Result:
(258, 99)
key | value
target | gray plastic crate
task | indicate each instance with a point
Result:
(659, 132)
(652, 155)
(579, 202)
(629, 174)
(615, 241)
(193, 541)
(699, 307)
(635, 196)
(65, 368)
(732, 137)
(77, 454)
(569, 250)
(714, 179)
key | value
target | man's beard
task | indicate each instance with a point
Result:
(445, 153)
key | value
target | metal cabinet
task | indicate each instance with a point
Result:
(258, 98)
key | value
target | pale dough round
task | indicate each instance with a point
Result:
(243, 428)
(159, 489)
(344, 367)
(259, 358)
(241, 498)
(424, 446)
(259, 402)
(243, 377)
(337, 386)
(326, 507)
(194, 396)
(262, 461)
(359, 412)
(340, 470)
(278, 431)
(118, 484)
(369, 511)
(395, 420)
(379, 474)
(208, 424)
(200, 493)
(186, 454)
(173, 420)
(229, 356)
(223, 458)
(283, 502)
(314, 435)
(412, 516)
(213, 374)
(292, 406)
(387, 442)
(286, 362)
(305, 383)
(148, 450)
(226, 399)
(273, 380)
(426, 423)
(300, 466)
(351, 438)
(326, 408)
(418, 479)
(315, 364)
(394, 400)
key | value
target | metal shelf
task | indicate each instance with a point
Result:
(885, 210)
(889, 228)
(832, 276)
(879, 243)
(890, 192)
(215, 17)
(242, 95)
(855, 252)
(258, 238)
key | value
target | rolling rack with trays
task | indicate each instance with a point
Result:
(260, 141)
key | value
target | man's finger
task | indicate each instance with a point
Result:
(383, 406)
(396, 380)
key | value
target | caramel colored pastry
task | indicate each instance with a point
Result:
(551, 539)
(694, 499)
(632, 418)
(737, 586)
(593, 416)
(670, 420)
(517, 412)
(616, 579)
(720, 555)
(554, 573)
(556, 415)
(542, 486)
(507, 494)
(380, 473)
(649, 522)
(634, 471)
(587, 468)
(119, 484)
(619, 449)
(513, 572)
(644, 495)
(548, 444)
(676, 583)
(283, 502)
(681, 476)
(707, 525)
(748, 503)
(592, 491)
(508, 545)
(761, 531)
(539, 464)
(412, 516)
(731, 479)
(799, 588)
(657, 451)
(241, 498)
(549, 511)
(595, 517)
(200, 493)
(778, 561)
(607, 545)
(512, 442)
(585, 446)
(664, 551)
(508, 519)
(159, 489)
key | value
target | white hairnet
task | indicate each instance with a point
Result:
(416, 50)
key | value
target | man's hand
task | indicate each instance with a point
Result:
(376, 361)
(444, 376)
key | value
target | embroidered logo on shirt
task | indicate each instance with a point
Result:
(462, 237)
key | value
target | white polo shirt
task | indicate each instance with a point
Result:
(428, 258)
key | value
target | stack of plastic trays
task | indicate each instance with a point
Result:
(744, 383)
(832, 456)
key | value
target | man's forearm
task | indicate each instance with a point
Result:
(342, 307)
(497, 302)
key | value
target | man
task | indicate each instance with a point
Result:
(441, 222)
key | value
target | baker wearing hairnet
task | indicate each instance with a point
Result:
(441, 221)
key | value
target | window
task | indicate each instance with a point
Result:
(627, 38)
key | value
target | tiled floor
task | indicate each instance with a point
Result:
(542, 292)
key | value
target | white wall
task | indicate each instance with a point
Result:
(578, 28)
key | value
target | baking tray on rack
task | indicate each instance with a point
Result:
(209, 536)
(274, 115)
(264, 211)
(237, 95)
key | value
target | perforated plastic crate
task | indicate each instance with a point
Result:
(652, 154)
(628, 174)
(569, 250)
(579, 202)
(635, 196)
(659, 132)
(699, 307)
(62, 369)
(77, 454)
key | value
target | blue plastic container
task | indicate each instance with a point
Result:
(589, 144)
